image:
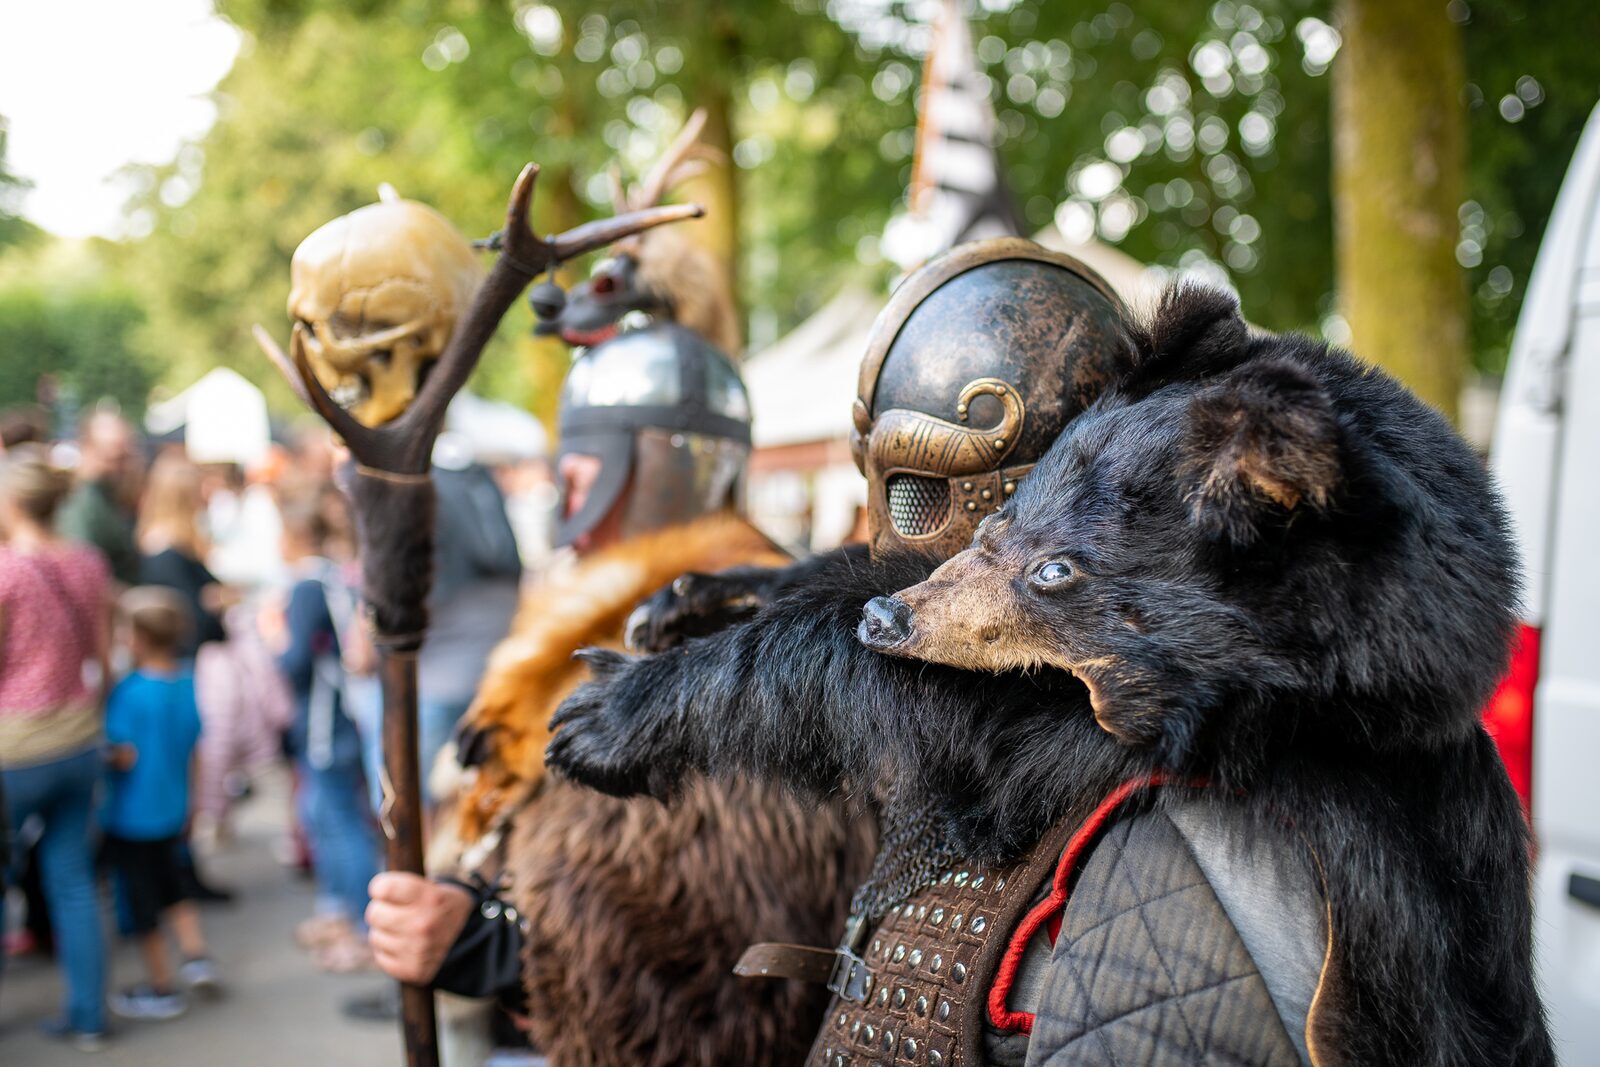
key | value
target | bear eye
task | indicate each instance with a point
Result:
(1052, 572)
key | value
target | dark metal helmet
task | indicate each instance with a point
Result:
(978, 361)
(669, 419)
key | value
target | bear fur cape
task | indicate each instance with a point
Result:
(1310, 595)
(635, 914)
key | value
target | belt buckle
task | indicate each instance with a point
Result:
(850, 979)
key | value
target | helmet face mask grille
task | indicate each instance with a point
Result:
(918, 505)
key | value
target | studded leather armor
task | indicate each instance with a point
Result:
(916, 993)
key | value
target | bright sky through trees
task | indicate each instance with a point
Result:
(89, 86)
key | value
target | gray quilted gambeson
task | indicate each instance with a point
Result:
(1183, 943)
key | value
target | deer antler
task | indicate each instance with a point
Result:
(405, 445)
(304, 382)
(619, 191)
(655, 184)
(699, 159)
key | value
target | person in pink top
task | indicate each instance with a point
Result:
(55, 618)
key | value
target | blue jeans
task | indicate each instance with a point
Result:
(344, 849)
(62, 794)
(436, 723)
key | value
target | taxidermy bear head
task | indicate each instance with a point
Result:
(1244, 533)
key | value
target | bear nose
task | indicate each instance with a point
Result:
(885, 621)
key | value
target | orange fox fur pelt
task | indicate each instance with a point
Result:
(532, 670)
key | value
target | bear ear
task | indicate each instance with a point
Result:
(1200, 324)
(1196, 332)
(1262, 440)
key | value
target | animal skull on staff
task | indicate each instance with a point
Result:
(389, 324)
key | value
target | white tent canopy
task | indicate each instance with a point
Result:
(802, 385)
(493, 431)
(223, 416)
(224, 420)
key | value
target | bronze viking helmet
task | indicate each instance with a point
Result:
(978, 361)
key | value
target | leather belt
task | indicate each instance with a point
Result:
(842, 969)
(774, 960)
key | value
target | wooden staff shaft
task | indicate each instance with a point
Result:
(394, 517)
(397, 670)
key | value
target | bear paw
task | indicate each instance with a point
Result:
(693, 605)
(596, 739)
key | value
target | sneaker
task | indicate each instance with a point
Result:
(382, 1006)
(82, 1040)
(145, 1002)
(320, 930)
(206, 893)
(348, 955)
(200, 975)
(20, 942)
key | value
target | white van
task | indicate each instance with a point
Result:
(1546, 716)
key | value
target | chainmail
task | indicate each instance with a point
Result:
(913, 850)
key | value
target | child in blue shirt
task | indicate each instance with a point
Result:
(152, 726)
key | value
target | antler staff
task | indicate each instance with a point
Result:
(392, 499)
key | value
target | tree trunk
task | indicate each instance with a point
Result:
(557, 208)
(1399, 134)
(717, 189)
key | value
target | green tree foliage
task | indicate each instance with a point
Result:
(61, 315)
(1194, 136)
(80, 336)
(1216, 123)
(446, 100)
(1533, 77)
(1213, 125)
(14, 229)
(319, 109)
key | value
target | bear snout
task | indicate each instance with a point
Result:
(885, 622)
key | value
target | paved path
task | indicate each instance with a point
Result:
(278, 1010)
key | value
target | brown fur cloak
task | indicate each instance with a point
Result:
(635, 912)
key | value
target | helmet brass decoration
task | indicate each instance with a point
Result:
(374, 296)
(975, 365)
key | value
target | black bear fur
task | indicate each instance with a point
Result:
(1351, 720)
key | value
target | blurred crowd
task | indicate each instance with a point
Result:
(171, 630)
